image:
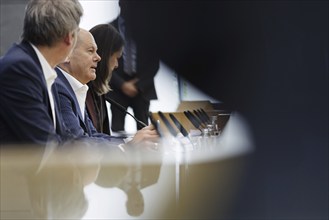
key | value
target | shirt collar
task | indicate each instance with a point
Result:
(76, 85)
(80, 91)
(48, 71)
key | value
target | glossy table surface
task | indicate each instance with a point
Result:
(179, 178)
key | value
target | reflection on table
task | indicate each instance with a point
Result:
(197, 177)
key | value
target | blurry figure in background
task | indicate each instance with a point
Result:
(28, 112)
(110, 46)
(133, 81)
(71, 83)
(271, 69)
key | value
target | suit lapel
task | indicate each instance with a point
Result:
(74, 98)
(59, 126)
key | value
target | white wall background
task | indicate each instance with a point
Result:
(98, 11)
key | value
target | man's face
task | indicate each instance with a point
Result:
(84, 58)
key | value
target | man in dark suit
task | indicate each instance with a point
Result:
(133, 81)
(77, 122)
(71, 85)
(28, 112)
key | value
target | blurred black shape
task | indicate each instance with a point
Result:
(269, 61)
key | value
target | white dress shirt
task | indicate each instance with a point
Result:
(80, 91)
(50, 76)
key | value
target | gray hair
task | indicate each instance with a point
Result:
(48, 21)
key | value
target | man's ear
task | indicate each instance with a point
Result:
(70, 38)
(67, 60)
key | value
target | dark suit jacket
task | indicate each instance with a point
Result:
(147, 68)
(70, 110)
(25, 113)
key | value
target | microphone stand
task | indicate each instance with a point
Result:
(125, 111)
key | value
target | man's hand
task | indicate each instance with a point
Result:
(129, 88)
(146, 135)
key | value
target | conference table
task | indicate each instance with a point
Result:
(193, 177)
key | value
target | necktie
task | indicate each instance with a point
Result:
(129, 54)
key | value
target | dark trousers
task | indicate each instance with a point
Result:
(139, 105)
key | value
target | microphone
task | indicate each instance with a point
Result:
(156, 124)
(205, 114)
(171, 129)
(196, 118)
(201, 119)
(178, 125)
(142, 124)
(193, 120)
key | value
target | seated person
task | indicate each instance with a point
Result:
(28, 112)
(110, 47)
(71, 84)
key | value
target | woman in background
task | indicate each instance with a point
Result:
(110, 47)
